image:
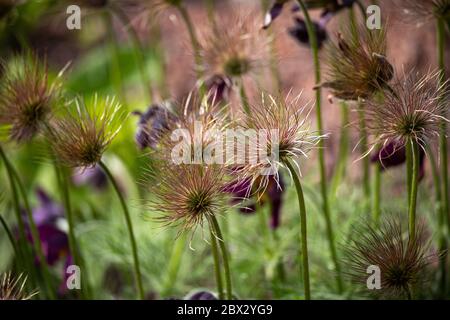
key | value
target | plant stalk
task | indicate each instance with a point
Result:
(224, 252)
(323, 177)
(137, 271)
(414, 159)
(303, 230)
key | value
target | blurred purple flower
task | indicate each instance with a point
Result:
(55, 243)
(300, 32)
(94, 177)
(152, 124)
(201, 295)
(394, 154)
(273, 12)
(273, 194)
(330, 7)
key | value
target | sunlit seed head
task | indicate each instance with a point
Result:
(27, 97)
(13, 288)
(80, 136)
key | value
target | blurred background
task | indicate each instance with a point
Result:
(102, 60)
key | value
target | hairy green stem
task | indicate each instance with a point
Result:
(14, 176)
(73, 243)
(303, 230)
(224, 252)
(114, 67)
(138, 51)
(443, 134)
(174, 265)
(10, 236)
(215, 254)
(194, 41)
(323, 177)
(365, 160)
(137, 271)
(413, 155)
(376, 200)
(444, 198)
(441, 220)
(339, 172)
(244, 97)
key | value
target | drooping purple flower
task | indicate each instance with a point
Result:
(300, 32)
(94, 177)
(273, 194)
(394, 154)
(152, 124)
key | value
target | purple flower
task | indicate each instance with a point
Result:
(94, 177)
(273, 194)
(394, 154)
(300, 32)
(152, 124)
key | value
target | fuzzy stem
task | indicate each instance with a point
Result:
(323, 177)
(13, 175)
(443, 134)
(10, 237)
(343, 151)
(138, 51)
(414, 156)
(137, 272)
(365, 160)
(15, 198)
(194, 41)
(174, 265)
(376, 194)
(244, 97)
(224, 251)
(444, 198)
(73, 243)
(441, 220)
(114, 67)
(215, 253)
(303, 230)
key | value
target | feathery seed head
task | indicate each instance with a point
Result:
(402, 262)
(288, 136)
(80, 137)
(237, 51)
(412, 109)
(27, 97)
(357, 64)
(187, 194)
